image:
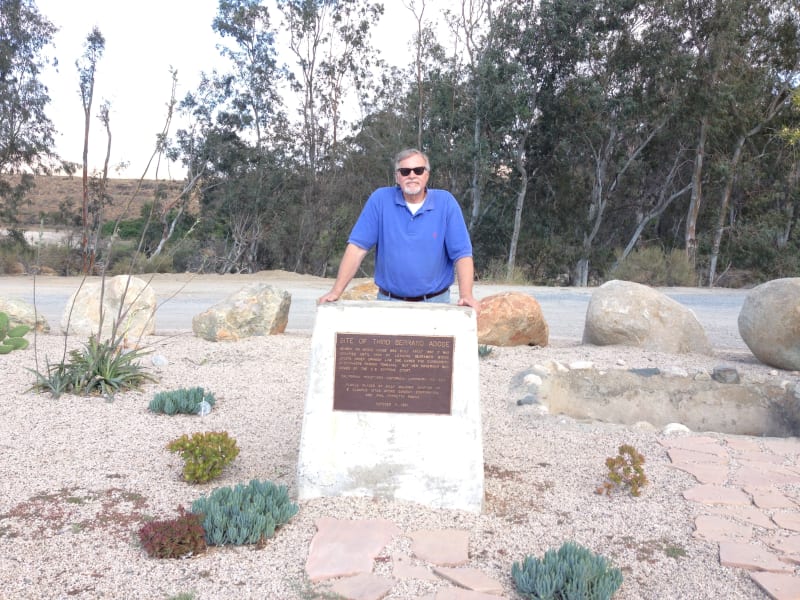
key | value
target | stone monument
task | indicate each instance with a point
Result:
(392, 408)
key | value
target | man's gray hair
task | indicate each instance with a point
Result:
(404, 154)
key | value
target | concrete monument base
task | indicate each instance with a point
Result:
(371, 433)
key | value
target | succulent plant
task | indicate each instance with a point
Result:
(12, 337)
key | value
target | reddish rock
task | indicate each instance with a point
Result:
(512, 319)
(363, 291)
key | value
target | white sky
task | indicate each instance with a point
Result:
(144, 39)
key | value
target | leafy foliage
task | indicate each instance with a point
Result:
(12, 338)
(625, 470)
(204, 454)
(484, 350)
(186, 401)
(244, 514)
(26, 137)
(103, 368)
(570, 573)
(180, 537)
(652, 266)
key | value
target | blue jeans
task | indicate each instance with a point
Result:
(440, 299)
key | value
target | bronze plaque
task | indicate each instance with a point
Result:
(393, 373)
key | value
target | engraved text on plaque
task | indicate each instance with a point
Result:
(393, 373)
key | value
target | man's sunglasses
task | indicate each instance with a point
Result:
(406, 171)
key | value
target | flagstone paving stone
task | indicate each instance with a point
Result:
(703, 472)
(346, 547)
(402, 568)
(471, 579)
(462, 594)
(751, 557)
(789, 544)
(779, 586)
(717, 494)
(445, 547)
(721, 529)
(787, 519)
(746, 514)
(769, 498)
(366, 586)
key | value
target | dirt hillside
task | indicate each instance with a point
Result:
(54, 192)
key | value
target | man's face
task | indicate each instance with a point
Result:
(413, 185)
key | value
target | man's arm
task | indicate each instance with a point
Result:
(465, 273)
(353, 255)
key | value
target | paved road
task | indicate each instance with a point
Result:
(181, 296)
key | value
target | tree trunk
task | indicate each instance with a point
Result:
(580, 277)
(697, 193)
(521, 193)
(724, 201)
(476, 165)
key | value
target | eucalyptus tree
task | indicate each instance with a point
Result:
(729, 42)
(26, 133)
(94, 46)
(333, 54)
(766, 72)
(236, 133)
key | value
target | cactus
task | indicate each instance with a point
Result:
(571, 572)
(12, 338)
(186, 401)
(244, 514)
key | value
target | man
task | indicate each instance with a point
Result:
(419, 236)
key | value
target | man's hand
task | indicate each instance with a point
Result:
(472, 302)
(329, 297)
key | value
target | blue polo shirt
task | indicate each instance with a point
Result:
(414, 253)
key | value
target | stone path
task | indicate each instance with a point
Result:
(748, 499)
(348, 549)
(748, 494)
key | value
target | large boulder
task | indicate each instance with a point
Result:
(256, 309)
(512, 319)
(769, 323)
(363, 291)
(22, 313)
(126, 300)
(632, 314)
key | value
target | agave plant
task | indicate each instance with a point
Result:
(99, 368)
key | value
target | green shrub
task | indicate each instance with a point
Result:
(625, 470)
(244, 514)
(484, 350)
(185, 401)
(651, 266)
(204, 454)
(570, 573)
(497, 271)
(12, 337)
(100, 368)
(180, 537)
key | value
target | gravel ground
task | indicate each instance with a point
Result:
(79, 476)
